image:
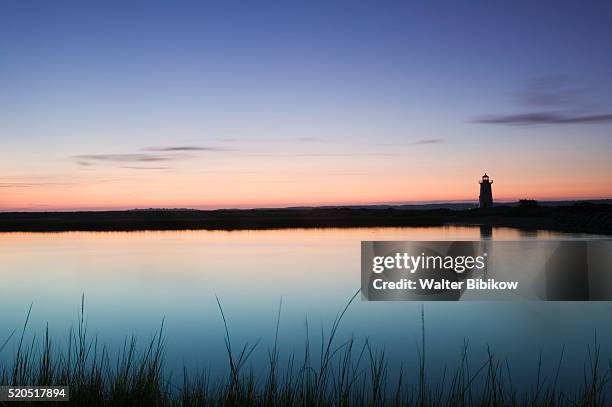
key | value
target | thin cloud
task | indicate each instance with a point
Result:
(430, 141)
(423, 141)
(88, 161)
(134, 167)
(343, 155)
(308, 139)
(30, 184)
(183, 148)
(211, 140)
(87, 158)
(149, 155)
(16, 185)
(545, 118)
(323, 155)
(84, 163)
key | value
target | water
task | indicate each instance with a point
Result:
(131, 281)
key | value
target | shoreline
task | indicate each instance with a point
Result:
(576, 218)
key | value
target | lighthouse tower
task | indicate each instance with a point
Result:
(486, 195)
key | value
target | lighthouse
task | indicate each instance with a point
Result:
(486, 195)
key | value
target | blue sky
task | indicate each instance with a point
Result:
(310, 96)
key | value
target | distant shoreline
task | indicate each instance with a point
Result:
(578, 218)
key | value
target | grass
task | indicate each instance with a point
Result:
(338, 373)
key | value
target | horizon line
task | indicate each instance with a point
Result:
(296, 206)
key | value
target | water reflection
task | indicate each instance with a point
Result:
(486, 232)
(133, 280)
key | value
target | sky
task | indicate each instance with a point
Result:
(256, 104)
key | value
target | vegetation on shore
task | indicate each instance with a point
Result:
(579, 217)
(339, 373)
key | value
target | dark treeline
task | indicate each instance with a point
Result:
(579, 217)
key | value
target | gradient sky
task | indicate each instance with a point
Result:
(227, 104)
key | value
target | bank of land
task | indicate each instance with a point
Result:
(578, 217)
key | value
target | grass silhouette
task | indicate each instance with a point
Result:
(341, 373)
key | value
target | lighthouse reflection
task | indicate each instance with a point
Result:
(486, 232)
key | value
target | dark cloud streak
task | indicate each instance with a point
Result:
(525, 119)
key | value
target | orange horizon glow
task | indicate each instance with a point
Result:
(347, 175)
(125, 196)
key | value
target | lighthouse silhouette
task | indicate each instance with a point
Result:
(486, 195)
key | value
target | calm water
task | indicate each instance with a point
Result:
(131, 281)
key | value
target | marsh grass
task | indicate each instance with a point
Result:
(339, 373)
